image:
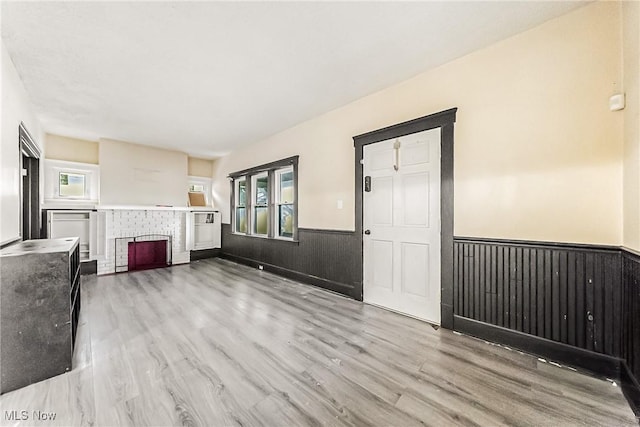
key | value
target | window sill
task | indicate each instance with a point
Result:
(277, 239)
(69, 204)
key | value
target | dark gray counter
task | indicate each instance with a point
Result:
(39, 309)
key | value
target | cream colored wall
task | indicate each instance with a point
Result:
(200, 167)
(71, 149)
(15, 107)
(631, 54)
(132, 174)
(537, 153)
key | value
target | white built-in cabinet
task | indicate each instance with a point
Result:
(87, 225)
(203, 230)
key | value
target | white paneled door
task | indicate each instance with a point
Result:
(402, 224)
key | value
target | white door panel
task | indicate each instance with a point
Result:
(415, 267)
(415, 153)
(402, 214)
(382, 201)
(415, 199)
(382, 276)
(380, 160)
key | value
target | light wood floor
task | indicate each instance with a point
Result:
(214, 343)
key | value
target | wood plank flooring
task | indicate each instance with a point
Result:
(213, 343)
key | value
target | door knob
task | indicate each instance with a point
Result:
(367, 232)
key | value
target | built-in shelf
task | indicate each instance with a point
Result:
(204, 230)
(81, 223)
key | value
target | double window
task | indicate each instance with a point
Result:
(264, 200)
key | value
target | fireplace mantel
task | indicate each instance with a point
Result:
(151, 208)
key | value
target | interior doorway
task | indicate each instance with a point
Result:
(401, 218)
(30, 185)
(443, 121)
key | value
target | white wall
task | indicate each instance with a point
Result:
(200, 167)
(631, 46)
(71, 149)
(132, 174)
(538, 154)
(15, 108)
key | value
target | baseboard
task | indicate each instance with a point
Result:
(594, 363)
(9, 242)
(204, 254)
(446, 316)
(341, 288)
(630, 388)
(88, 267)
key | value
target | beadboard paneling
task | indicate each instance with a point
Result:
(575, 304)
(326, 258)
(631, 326)
(568, 294)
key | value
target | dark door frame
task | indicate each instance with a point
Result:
(445, 121)
(29, 185)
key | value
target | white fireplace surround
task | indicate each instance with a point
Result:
(132, 221)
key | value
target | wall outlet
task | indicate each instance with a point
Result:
(616, 102)
(340, 205)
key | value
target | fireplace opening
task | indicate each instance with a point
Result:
(143, 252)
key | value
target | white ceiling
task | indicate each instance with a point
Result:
(207, 77)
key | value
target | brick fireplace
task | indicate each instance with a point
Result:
(142, 252)
(148, 254)
(137, 228)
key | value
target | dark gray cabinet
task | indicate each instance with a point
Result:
(39, 310)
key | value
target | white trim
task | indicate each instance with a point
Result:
(152, 208)
(236, 205)
(52, 170)
(207, 187)
(277, 201)
(255, 205)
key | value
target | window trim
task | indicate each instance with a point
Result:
(254, 202)
(270, 169)
(235, 184)
(277, 200)
(53, 169)
(205, 182)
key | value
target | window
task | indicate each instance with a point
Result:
(284, 202)
(241, 205)
(72, 184)
(199, 193)
(260, 203)
(264, 200)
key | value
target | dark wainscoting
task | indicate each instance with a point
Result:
(324, 258)
(631, 327)
(204, 254)
(575, 304)
(566, 294)
(88, 267)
